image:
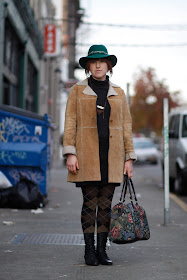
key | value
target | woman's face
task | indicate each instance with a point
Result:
(98, 68)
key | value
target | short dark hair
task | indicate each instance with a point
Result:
(90, 60)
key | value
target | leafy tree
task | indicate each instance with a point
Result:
(147, 103)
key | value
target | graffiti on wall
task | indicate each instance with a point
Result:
(11, 126)
(15, 126)
(19, 131)
(11, 157)
(3, 134)
(34, 176)
(26, 139)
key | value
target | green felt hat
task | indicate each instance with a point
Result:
(97, 51)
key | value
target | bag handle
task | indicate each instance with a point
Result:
(128, 184)
(132, 186)
(123, 191)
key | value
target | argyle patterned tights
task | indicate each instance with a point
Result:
(96, 208)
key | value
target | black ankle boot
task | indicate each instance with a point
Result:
(101, 249)
(90, 253)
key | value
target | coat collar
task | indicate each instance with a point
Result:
(89, 91)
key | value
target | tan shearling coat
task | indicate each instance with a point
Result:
(81, 136)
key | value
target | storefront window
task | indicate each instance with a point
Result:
(11, 70)
(31, 86)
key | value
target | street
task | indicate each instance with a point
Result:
(154, 174)
(49, 245)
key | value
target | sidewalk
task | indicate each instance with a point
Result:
(32, 247)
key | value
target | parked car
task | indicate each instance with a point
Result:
(145, 150)
(178, 150)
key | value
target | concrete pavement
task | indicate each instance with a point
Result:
(32, 246)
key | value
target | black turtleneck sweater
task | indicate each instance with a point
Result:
(101, 89)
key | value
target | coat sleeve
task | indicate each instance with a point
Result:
(127, 131)
(70, 128)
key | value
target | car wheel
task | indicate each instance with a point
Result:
(179, 183)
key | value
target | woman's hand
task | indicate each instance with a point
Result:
(72, 163)
(128, 168)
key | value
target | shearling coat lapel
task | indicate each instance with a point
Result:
(88, 90)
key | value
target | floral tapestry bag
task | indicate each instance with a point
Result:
(128, 222)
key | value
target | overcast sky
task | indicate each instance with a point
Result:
(170, 63)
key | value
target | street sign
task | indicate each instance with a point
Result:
(50, 39)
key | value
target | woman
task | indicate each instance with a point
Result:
(98, 146)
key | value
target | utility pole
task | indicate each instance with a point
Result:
(128, 95)
(166, 163)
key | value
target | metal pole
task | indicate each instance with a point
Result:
(166, 163)
(128, 96)
(50, 100)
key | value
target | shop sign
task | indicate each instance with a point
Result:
(50, 39)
